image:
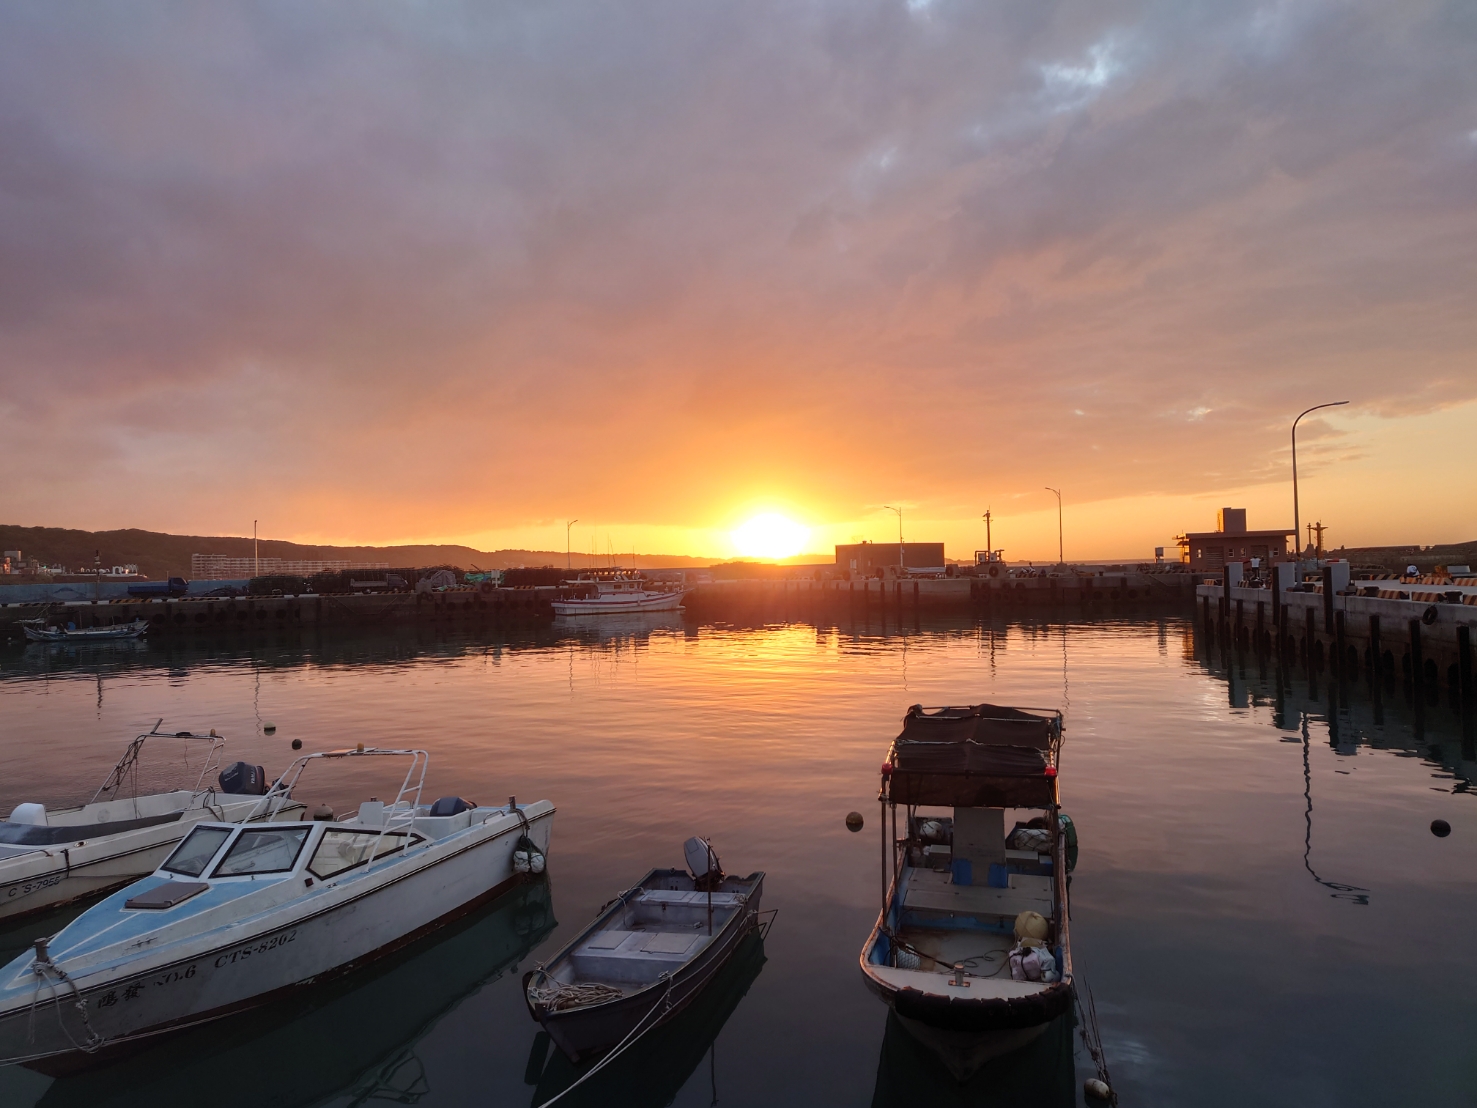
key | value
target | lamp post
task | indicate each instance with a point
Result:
(1296, 521)
(902, 560)
(1061, 558)
(568, 558)
(989, 542)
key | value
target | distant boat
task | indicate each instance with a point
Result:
(648, 954)
(620, 594)
(971, 950)
(37, 631)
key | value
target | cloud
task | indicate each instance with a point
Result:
(422, 271)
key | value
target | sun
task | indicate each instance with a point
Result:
(770, 535)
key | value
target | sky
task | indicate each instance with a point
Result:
(381, 272)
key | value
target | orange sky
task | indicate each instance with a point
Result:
(384, 274)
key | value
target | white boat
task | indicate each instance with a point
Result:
(619, 594)
(240, 913)
(52, 857)
(971, 950)
(38, 630)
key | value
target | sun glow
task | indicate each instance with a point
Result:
(770, 536)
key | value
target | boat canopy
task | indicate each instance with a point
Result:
(975, 756)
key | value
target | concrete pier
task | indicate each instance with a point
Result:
(1424, 638)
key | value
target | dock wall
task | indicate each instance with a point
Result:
(1425, 642)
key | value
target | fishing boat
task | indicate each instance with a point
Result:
(38, 630)
(240, 913)
(971, 949)
(619, 593)
(50, 857)
(648, 953)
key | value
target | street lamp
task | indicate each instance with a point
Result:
(568, 563)
(1060, 557)
(1297, 534)
(902, 561)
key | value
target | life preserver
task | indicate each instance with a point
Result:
(994, 571)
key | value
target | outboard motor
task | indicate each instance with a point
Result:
(240, 779)
(702, 862)
(451, 806)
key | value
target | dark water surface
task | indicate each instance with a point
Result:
(1260, 908)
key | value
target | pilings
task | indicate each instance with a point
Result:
(1424, 644)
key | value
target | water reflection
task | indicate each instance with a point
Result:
(651, 1071)
(1040, 1075)
(355, 1037)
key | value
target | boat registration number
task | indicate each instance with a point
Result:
(262, 947)
(29, 887)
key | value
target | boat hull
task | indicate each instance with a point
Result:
(249, 963)
(87, 634)
(580, 1032)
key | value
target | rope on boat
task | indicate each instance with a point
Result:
(563, 996)
(1092, 1038)
(44, 968)
(987, 956)
(634, 1034)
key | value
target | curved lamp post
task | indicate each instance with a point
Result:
(900, 556)
(1297, 534)
(568, 558)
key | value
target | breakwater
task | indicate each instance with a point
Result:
(743, 601)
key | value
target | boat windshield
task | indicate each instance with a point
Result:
(192, 856)
(343, 850)
(273, 850)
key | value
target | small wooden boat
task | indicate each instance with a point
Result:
(37, 630)
(646, 956)
(971, 949)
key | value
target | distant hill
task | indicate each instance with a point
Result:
(1396, 558)
(159, 555)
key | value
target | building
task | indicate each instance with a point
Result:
(1231, 542)
(868, 559)
(220, 567)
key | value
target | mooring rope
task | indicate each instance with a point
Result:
(635, 1033)
(42, 969)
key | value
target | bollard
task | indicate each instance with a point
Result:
(1338, 629)
(1327, 599)
(1308, 634)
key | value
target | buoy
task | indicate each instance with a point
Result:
(1095, 1088)
(297, 744)
(853, 821)
(1440, 828)
(269, 728)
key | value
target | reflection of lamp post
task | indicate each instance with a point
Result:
(1060, 557)
(1297, 532)
(902, 561)
(568, 562)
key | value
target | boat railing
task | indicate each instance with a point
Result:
(127, 767)
(399, 814)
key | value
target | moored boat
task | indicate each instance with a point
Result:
(619, 594)
(50, 857)
(38, 630)
(971, 949)
(238, 914)
(645, 957)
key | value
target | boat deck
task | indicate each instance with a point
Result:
(930, 897)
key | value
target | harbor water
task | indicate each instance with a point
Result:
(1260, 907)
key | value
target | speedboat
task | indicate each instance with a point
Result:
(239, 913)
(971, 949)
(619, 594)
(50, 857)
(648, 953)
(38, 630)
